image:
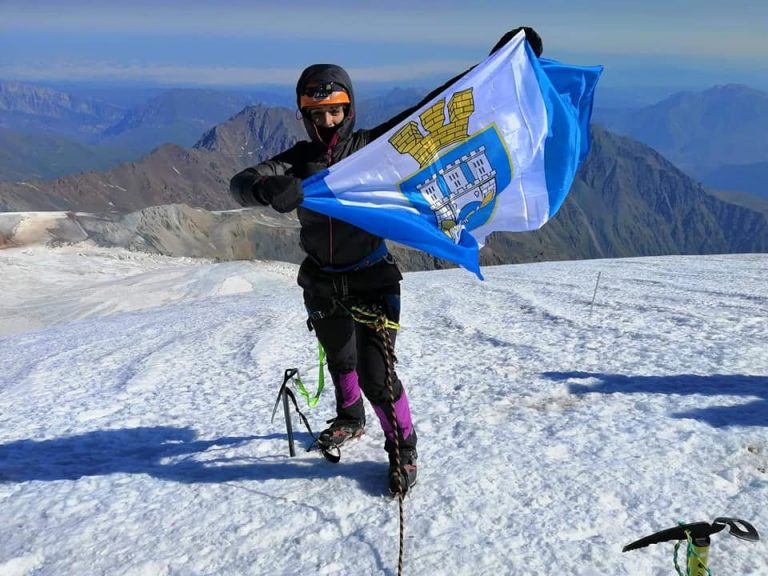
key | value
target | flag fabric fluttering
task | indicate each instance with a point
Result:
(496, 151)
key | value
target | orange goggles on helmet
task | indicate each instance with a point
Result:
(326, 94)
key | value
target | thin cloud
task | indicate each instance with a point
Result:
(222, 75)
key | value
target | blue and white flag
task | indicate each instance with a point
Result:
(496, 151)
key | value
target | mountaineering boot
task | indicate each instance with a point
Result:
(340, 431)
(402, 480)
(350, 412)
(401, 428)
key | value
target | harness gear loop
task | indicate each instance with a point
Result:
(373, 318)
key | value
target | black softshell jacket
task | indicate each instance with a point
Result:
(329, 243)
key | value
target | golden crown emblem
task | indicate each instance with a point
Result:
(439, 133)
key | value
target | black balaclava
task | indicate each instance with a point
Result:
(321, 74)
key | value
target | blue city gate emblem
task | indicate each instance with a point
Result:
(461, 188)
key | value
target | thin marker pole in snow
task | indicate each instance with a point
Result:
(595, 292)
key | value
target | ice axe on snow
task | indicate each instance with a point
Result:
(285, 394)
(697, 536)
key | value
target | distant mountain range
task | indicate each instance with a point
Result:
(47, 133)
(717, 136)
(255, 134)
(41, 156)
(55, 133)
(176, 116)
(197, 176)
(37, 110)
(627, 200)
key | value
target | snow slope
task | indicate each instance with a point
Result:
(136, 393)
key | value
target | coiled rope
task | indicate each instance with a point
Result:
(376, 319)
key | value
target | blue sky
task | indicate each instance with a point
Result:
(693, 43)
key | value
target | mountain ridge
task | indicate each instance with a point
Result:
(627, 200)
(706, 133)
(30, 108)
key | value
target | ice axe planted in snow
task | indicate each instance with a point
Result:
(697, 535)
(285, 394)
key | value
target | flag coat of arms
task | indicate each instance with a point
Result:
(496, 151)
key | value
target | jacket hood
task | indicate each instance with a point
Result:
(320, 74)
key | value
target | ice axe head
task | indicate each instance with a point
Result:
(699, 533)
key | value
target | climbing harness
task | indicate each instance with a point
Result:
(696, 536)
(366, 262)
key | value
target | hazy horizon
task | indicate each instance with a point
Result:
(236, 44)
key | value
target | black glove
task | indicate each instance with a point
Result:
(530, 34)
(283, 193)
